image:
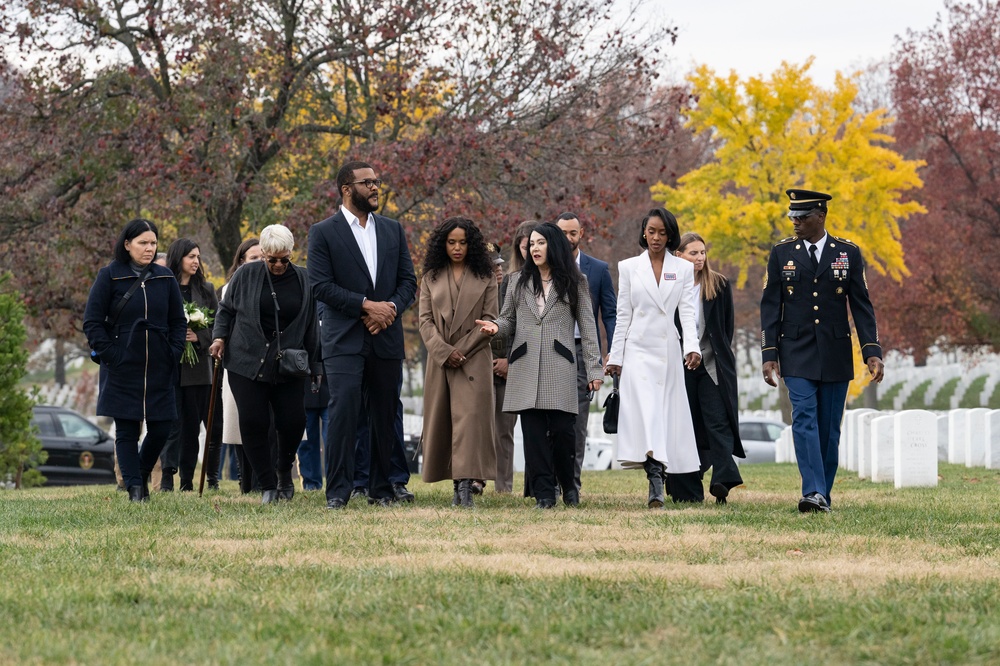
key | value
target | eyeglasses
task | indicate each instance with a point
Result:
(369, 183)
(283, 260)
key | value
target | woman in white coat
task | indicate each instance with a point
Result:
(655, 430)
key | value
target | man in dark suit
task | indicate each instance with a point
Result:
(605, 303)
(806, 337)
(360, 268)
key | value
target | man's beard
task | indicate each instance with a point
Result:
(361, 202)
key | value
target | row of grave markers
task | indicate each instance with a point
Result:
(904, 447)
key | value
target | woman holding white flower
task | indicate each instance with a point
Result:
(194, 388)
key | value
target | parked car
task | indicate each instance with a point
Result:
(760, 437)
(79, 451)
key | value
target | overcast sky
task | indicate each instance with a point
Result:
(754, 36)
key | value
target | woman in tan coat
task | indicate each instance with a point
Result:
(458, 287)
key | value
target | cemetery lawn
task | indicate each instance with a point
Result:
(890, 577)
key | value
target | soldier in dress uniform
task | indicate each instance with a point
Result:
(806, 337)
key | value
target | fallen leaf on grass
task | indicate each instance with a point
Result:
(794, 551)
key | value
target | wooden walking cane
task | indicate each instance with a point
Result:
(208, 428)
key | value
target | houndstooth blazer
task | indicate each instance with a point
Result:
(542, 363)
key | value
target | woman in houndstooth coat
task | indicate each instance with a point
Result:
(545, 302)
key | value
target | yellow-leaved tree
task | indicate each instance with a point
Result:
(787, 132)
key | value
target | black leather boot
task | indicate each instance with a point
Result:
(187, 483)
(654, 472)
(145, 482)
(286, 489)
(135, 494)
(465, 493)
(270, 497)
(212, 473)
(455, 500)
(167, 480)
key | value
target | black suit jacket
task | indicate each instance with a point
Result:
(803, 313)
(340, 280)
(602, 293)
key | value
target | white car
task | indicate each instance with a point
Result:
(760, 436)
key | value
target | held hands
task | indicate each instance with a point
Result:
(488, 327)
(500, 367)
(692, 360)
(217, 348)
(772, 373)
(877, 369)
(377, 315)
(455, 360)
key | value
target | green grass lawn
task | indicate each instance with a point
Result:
(890, 577)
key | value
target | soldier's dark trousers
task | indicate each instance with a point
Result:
(817, 412)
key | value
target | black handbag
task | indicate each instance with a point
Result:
(291, 362)
(611, 404)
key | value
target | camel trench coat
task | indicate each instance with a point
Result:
(457, 438)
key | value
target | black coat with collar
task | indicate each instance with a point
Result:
(140, 354)
(719, 317)
(340, 280)
(803, 312)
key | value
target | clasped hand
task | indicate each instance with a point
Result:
(377, 316)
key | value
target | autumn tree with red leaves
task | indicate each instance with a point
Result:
(946, 92)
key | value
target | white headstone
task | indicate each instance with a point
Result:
(942, 437)
(991, 456)
(785, 450)
(975, 437)
(864, 446)
(883, 442)
(915, 448)
(851, 423)
(956, 436)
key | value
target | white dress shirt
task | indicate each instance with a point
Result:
(366, 238)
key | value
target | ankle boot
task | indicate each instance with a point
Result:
(145, 483)
(465, 493)
(187, 483)
(269, 497)
(455, 500)
(654, 472)
(286, 489)
(167, 481)
(135, 494)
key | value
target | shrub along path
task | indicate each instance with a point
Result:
(890, 577)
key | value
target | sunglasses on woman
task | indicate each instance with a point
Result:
(283, 260)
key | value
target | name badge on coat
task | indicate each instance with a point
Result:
(670, 276)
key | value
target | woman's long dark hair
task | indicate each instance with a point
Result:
(134, 228)
(241, 253)
(559, 257)
(176, 253)
(476, 258)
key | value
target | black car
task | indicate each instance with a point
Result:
(79, 451)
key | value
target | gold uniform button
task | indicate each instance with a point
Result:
(815, 307)
(815, 294)
(817, 321)
(815, 281)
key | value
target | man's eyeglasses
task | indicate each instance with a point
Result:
(283, 260)
(369, 183)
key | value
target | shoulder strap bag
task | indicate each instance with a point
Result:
(291, 362)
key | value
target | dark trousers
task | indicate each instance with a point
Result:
(817, 412)
(181, 450)
(709, 410)
(503, 439)
(310, 451)
(136, 463)
(358, 380)
(255, 402)
(549, 450)
(399, 469)
(583, 396)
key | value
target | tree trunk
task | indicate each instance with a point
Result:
(60, 362)
(870, 396)
(225, 221)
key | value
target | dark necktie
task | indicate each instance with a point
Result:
(812, 257)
